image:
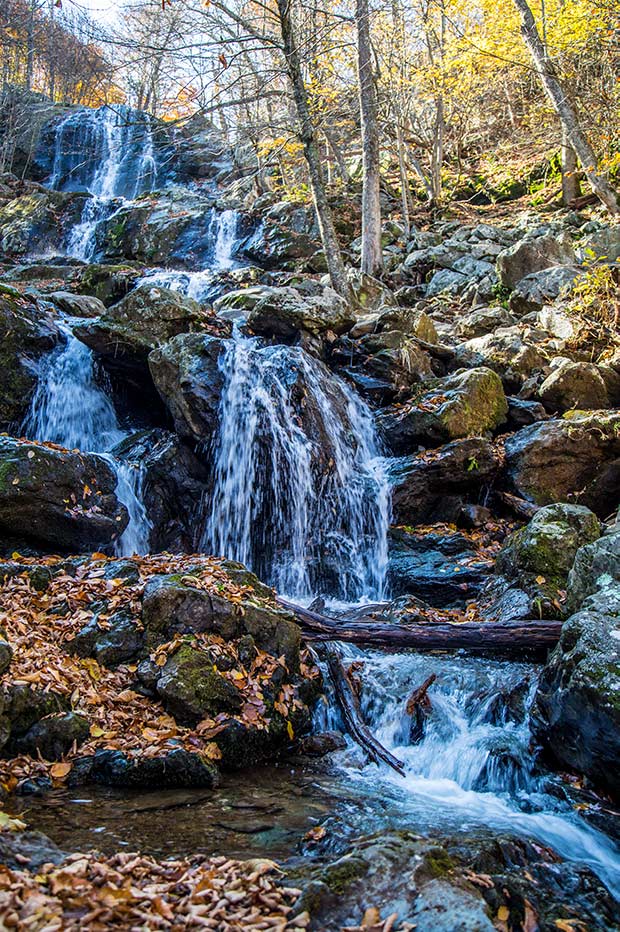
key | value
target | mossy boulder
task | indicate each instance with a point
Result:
(24, 706)
(539, 556)
(57, 498)
(148, 317)
(172, 605)
(108, 283)
(27, 334)
(571, 459)
(470, 403)
(38, 220)
(596, 566)
(191, 688)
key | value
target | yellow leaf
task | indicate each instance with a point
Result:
(503, 913)
(290, 731)
(96, 731)
(15, 555)
(59, 771)
(540, 580)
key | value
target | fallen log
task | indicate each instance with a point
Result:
(419, 707)
(349, 704)
(519, 505)
(510, 637)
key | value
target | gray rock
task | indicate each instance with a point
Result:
(574, 385)
(531, 255)
(186, 372)
(540, 288)
(483, 321)
(77, 305)
(284, 313)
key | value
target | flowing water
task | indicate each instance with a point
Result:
(300, 488)
(71, 408)
(300, 494)
(110, 153)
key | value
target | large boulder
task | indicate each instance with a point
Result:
(57, 498)
(538, 557)
(284, 234)
(38, 220)
(513, 352)
(577, 712)
(174, 481)
(574, 385)
(533, 254)
(26, 335)
(187, 374)
(469, 403)
(540, 288)
(573, 459)
(148, 317)
(285, 314)
(434, 486)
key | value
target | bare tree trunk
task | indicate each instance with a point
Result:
(565, 109)
(372, 253)
(571, 189)
(404, 180)
(333, 255)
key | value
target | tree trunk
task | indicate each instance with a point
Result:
(485, 637)
(372, 253)
(329, 239)
(571, 189)
(565, 109)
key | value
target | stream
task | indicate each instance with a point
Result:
(303, 500)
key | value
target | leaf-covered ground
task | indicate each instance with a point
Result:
(40, 625)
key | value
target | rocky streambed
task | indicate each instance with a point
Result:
(187, 404)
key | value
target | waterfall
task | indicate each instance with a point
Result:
(69, 408)
(110, 153)
(300, 488)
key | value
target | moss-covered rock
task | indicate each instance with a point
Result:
(38, 220)
(191, 688)
(52, 737)
(470, 403)
(148, 317)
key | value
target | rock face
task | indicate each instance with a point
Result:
(577, 711)
(38, 221)
(285, 234)
(284, 314)
(186, 372)
(574, 385)
(571, 459)
(148, 317)
(27, 334)
(57, 498)
(469, 403)
(435, 486)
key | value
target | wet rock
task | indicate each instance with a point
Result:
(322, 743)
(174, 482)
(54, 736)
(534, 291)
(522, 413)
(434, 486)
(284, 314)
(191, 688)
(533, 254)
(38, 221)
(178, 768)
(444, 907)
(577, 713)
(574, 459)
(596, 566)
(539, 556)
(108, 283)
(77, 305)
(186, 372)
(28, 850)
(148, 317)
(27, 334)
(286, 233)
(574, 385)
(440, 569)
(511, 351)
(118, 642)
(24, 706)
(172, 605)
(469, 403)
(58, 498)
